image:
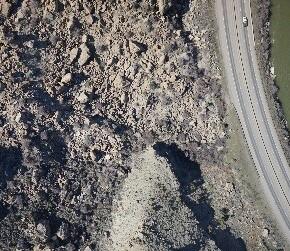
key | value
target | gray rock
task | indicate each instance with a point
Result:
(63, 231)
(43, 230)
(73, 54)
(66, 78)
(84, 39)
(89, 19)
(85, 55)
(137, 47)
(18, 117)
(88, 248)
(5, 8)
(83, 98)
(70, 247)
(29, 44)
(265, 232)
(71, 23)
(124, 98)
(164, 5)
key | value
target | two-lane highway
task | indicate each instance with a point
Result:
(247, 94)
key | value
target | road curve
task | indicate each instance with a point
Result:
(247, 94)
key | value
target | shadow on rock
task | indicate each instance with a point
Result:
(175, 12)
(10, 164)
(188, 174)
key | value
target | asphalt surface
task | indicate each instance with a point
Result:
(247, 93)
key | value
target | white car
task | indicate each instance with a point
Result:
(245, 21)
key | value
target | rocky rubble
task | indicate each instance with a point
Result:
(85, 88)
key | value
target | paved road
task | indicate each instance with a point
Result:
(247, 94)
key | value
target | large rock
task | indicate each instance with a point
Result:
(43, 229)
(5, 8)
(66, 78)
(85, 55)
(73, 54)
(163, 6)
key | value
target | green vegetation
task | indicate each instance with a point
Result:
(280, 32)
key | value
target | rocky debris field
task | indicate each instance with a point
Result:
(113, 130)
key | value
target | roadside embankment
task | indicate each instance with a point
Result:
(261, 14)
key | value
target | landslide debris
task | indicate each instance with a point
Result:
(96, 98)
